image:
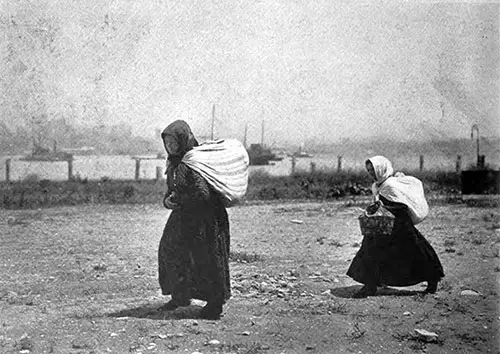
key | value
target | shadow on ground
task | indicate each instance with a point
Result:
(158, 312)
(349, 291)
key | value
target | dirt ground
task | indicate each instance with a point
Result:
(84, 280)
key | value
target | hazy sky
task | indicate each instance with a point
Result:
(323, 69)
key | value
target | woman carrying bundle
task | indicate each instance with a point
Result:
(193, 256)
(404, 257)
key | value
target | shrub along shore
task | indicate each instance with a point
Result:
(261, 187)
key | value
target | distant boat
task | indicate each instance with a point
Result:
(301, 153)
(39, 153)
(258, 154)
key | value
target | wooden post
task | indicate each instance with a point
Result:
(458, 164)
(70, 169)
(137, 168)
(313, 167)
(158, 173)
(421, 167)
(481, 161)
(7, 170)
(293, 165)
(339, 163)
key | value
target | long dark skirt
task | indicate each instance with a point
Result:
(193, 256)
(403, 258)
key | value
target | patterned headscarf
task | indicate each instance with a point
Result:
(180, 138)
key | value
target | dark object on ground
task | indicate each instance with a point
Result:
(480, 182)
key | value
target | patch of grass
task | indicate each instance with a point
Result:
(305, 185)
(326, 184)
(44, 193)
(320, 185)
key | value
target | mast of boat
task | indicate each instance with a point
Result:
(245, 136)
(33, 139)
(213, 122)
(262, 137)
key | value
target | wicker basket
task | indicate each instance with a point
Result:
(376, 224)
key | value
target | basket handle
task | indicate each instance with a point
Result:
(380, 206)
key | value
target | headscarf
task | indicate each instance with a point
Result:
(383, 168)
(181, 138)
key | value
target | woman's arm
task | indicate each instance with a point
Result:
(170, 199)
(398, 209)
(190, 187)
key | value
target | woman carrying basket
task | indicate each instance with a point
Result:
(193, 256)
(403, 257)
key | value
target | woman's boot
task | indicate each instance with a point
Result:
(367, 290)
(175, 303)
(431, 287)
(211, 311)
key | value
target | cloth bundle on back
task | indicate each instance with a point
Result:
(224, 165)
(399, 188)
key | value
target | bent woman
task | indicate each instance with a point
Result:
(193, 256)
(404, 257)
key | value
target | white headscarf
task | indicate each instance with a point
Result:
(383, 170)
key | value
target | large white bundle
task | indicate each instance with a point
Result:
(224, 165)
(409, 191)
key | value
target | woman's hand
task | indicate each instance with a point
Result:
(169, 203)
(372, 208)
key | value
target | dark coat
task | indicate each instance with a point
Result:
(402, 258)
(193, 256)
